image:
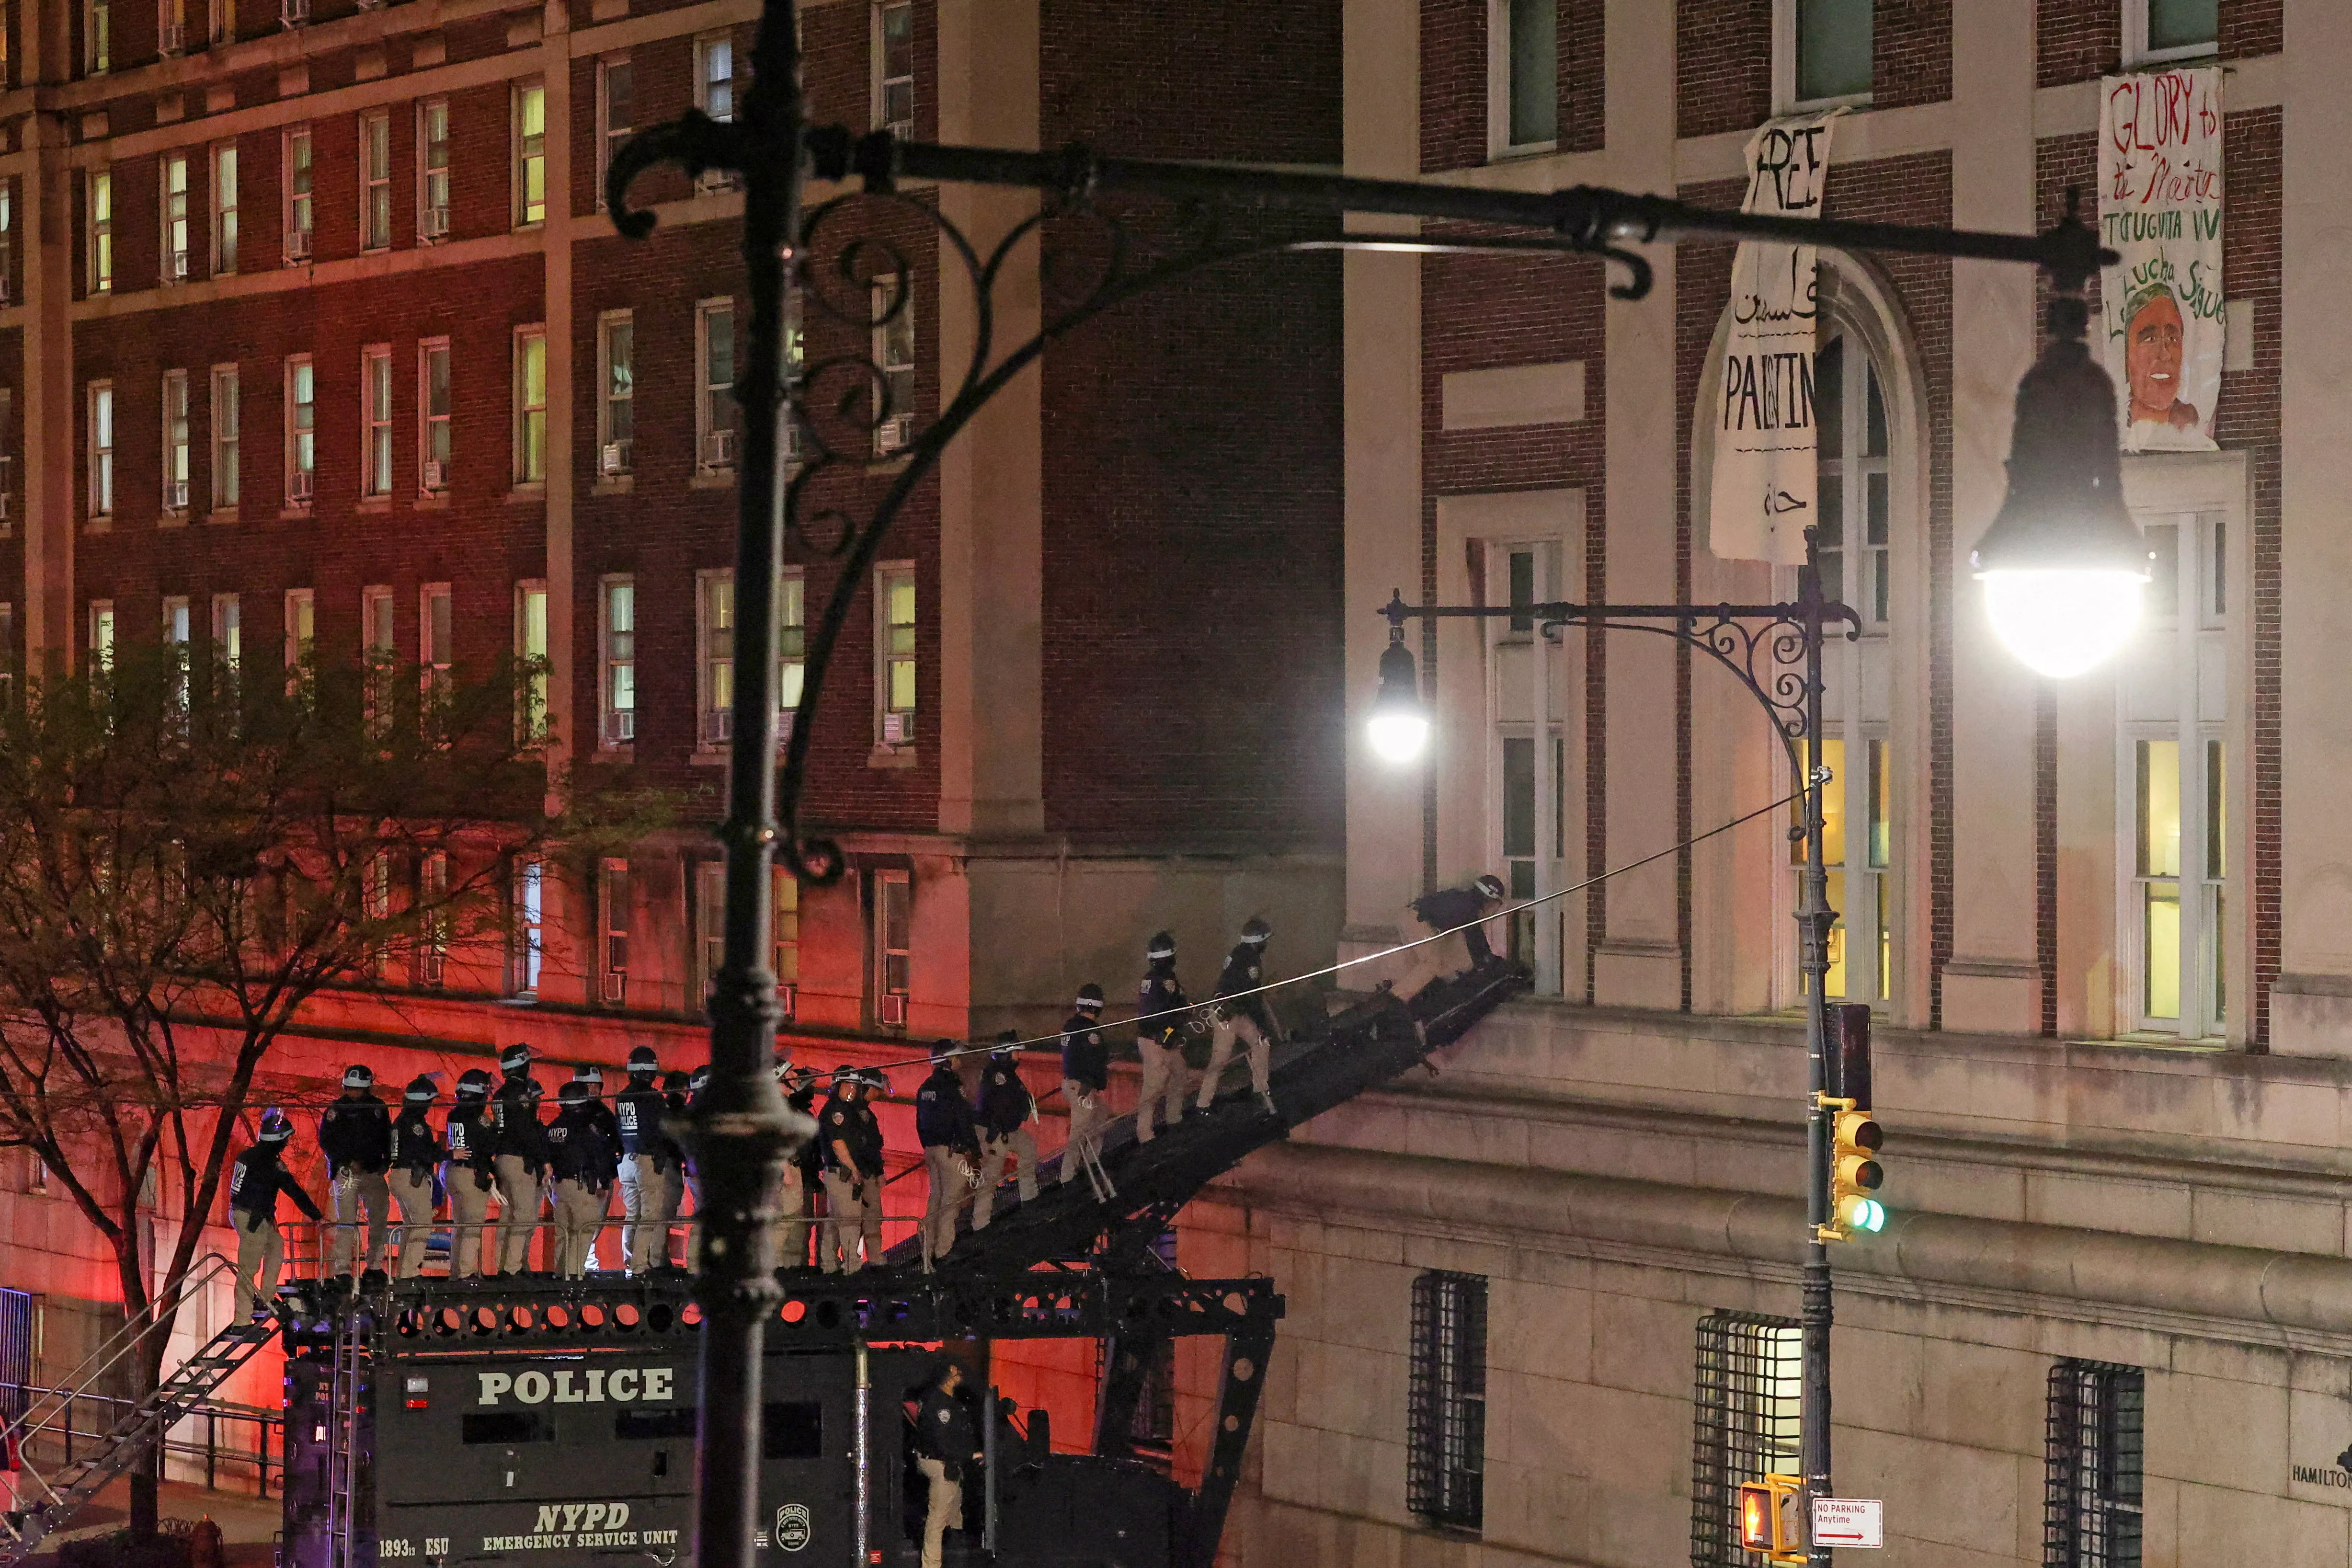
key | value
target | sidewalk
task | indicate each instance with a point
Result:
(249, 1525)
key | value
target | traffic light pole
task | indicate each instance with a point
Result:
(1776, 651)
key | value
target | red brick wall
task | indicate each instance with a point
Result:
(1193, 681)
(1723, 64)
(1911, 50)
(1453, 80)
(2079, 39)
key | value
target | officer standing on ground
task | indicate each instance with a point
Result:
(253, 1182)
(416, 1155)
(584, 1163)
(1006, 1108)
(950, 1141)
(519, 1158)
(1162, 1018)
(355, 1135)
(1242, 1012)
(1086, 1074)
(946, 1446)
(648, 1160)
(471, 1139)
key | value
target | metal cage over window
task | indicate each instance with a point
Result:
(1446, 1475)
(2091, 1512)
(1747, 1394)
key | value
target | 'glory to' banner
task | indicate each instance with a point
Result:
(1763, 490)
(2160, 209)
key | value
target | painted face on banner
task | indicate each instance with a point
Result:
(2152, 364)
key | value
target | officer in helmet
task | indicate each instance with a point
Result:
(679, 1095)
(1005, 1110)
(1455, 918)
(801, 1087)
(1241, 1013)
(950, 1141)
(415, 1156)
(790, 1229)
(253, 1182)
(520, 1160)
(355, 1135)
(1085, 1075)
(1162, 1018)
(649, 1165)
(471, 1139)
(608, 1123)
(584, 1162)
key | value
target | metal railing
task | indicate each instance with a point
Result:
(77, 1421)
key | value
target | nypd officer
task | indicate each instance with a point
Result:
(1162, 1017)
(1242, 1013)
(254, 1184)
(1455, 917)
(945, 1448)
(355, 1135)
(648, 1161)
(1006, 1108)
(520, 1158)
(471, 1139)
(415, 1156)
(950, 1141)
(585, 1161)
(852, 1171)
(1086, 1074)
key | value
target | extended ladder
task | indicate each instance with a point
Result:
(344, 1518)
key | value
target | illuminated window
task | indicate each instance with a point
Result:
(302, 630)
(375, 180)
(176, 455)
(101, 635)
(173, 184)
(531, 653)
(225, 207)
(433, 412)
(529, 154)
(530, 406)
(296, 211)
(437, 633)
(101, 449)
(433, 170)
(97, 37)
(375, 420)
(225, 418)
(894, 654)
(714, 403)
(894, 352)
(615, 113)
(98, 194)
(1750, 1389)
(178, 635)
(526, 946)
(302, 430)
(617, 637)
(894, 68)
(616, 409)
(715, 636)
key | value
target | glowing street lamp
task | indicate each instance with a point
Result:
(1400, 723)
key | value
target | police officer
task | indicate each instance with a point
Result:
(1162, 1021)
(801, 1087)
(471, 1139)
(852, 1174)
(1454, 916)
(415, 1156)
(253, 1182)
(946, 1446)
(608, 1122)
(355, 1135)
(585, 1161)
(519, 1158)
(1086, 1073)
(944, 1126)
(1242, 1013)
(1006, 1108)
(681, 1092)
(788, 1230)
(648, 1161)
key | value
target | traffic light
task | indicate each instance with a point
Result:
(1771, 1519)
(1854, 1173)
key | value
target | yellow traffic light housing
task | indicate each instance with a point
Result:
(1771, 1519)
(1854, 1173)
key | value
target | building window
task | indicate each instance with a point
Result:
(433, 938)
(784, 902)
(714, 94)
(176, 453)
(715, 636)
(613, 930)
(97, 37)
(8, 654)
(433, 170)
(616, 114)
(101, 636)
(714, 402)
(527, 943)
(1822, 53)
(7, 241)
(894, 941)
(2157, 30)
(228, 635)
(2174, 806)
(1533, 843)
(296, 214)
(375, 180)
(176, 261)
(1445, 1481)
(170, 26)
(99, 192)
(1522, 76)
(710, 931)
(433, 415)
(1749, 1386)
(792, 646)
(530, 406)
(436, 635)
(302, 630)
(894, 68)
(101, 449)
(375, 420)
(217, 19)
(531, 653)
(894, 350)
(301, 430)
(894, 653)
(529, 154)
(224, 417)
(225, 207)
(617, 637)
(616, 409)
(378, 650)
(178, 634)
(2091, 1491)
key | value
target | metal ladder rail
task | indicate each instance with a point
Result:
(342, 1445)
(111, 1353)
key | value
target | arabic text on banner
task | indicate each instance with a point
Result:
(1763, 490)
(2160, 208)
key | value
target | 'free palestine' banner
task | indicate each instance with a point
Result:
(2160, 209)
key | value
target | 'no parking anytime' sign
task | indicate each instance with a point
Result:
(1848, 1522)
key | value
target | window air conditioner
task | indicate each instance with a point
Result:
(793, 441)
(7, 291)
(298, 488)
(718, 725)
(175, 495)
(437, 475)
(293, 13)
(615, 457)
(718, 449)
(297, 244)
(616, 986)
(894, 434)
(893, 1010)
(620, 726)
(4, 505)
(170, 39)
(436, 223)
(175, 265)
(903, 130)
(897, 729)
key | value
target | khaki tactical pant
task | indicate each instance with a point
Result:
(352, 1191)
(1087, 1115)
(790, 1230)
(519, 1199)
(648, 1203)
(259, 1251)
(1164, 1087)
(949, 1190)
(1023, 1149)
(853, 1217)
(412, 1191)
(1221, 1051)
(469, 1219)
(580, 1213)
(675, 1185)
(945, 1512)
